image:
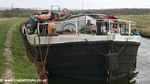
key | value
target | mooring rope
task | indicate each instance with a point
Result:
(124, 46)
(97, 58)
(47, 50)
(109, 71)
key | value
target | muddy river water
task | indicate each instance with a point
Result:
(143, 63)
(141, 76)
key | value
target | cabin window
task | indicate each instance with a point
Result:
(123, 29)
(114, 28)
(102, 27)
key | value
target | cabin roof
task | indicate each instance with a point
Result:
(94, 16)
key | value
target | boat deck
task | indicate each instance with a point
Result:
(64, 38)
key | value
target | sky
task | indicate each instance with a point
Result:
(76, 4)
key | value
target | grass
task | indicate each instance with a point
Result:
(143, 23)
(5, 24)
(22, 67)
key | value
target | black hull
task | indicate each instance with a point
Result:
(90, 60)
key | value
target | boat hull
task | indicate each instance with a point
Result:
(89, 60)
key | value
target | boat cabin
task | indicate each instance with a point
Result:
(95, 24)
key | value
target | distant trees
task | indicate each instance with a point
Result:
(124, 11)
(27, 12)
(16, 13)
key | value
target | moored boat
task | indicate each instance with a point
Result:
(83, 46)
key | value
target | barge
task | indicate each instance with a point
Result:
(83, 46)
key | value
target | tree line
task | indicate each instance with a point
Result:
(27, 12)
(16, 12)
(124, 11)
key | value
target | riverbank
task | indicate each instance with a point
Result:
(5, 25)
(143, 23)
(21, 67)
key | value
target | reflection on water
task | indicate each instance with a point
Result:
(142, 71)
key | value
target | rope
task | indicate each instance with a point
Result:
(124, 46)
(43, 67)
(97, 58)
(40, 50)
(109, 71)
(47, 48)
(120, 51)
(33, 48)
(95, 48)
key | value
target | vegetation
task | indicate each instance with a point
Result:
(27, 12)
(22, 68)
(16, 13)
(5, 24)
(116, 11)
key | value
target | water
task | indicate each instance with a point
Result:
(142, 71)
(143, 63)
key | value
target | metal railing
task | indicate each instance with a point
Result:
(77, 21)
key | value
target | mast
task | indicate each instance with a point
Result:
(82, 4)
(12, 5)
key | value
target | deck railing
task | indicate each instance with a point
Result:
(76, 22)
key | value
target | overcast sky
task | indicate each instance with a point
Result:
(77, 4)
